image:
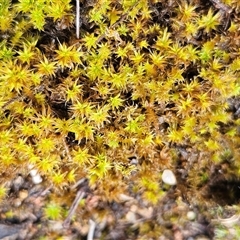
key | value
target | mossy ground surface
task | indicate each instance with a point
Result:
(89, 124)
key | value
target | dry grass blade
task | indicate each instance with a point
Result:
(77, 18)
(80, 195)
(91, 230)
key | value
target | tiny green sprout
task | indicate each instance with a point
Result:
(74, 92)
(204, 177)
(82, 109)
(118, 81)
(58, 9)
(187, 12)
(206, 52)
(164, 41)
(134, 125)
(15, 76)
(68, 56)
(59, 179)
(212, 145)
(113, 139)
(71, 176)
(6, 53)
(158, 60)
(226, 155)
(137, 58)
(6, 16)
(116, 102)
(220, 232)
(3, 192)
(175, 135)
(53, 211)
(209, 22)
(235, 65)
(190, 30)
(46, 145)
(37, 18)
(81, 156)
(46, 68)
(90, 40)
(96, 16)
(82, 129)
(24, 6)
(100, 116)
(26, 55)
(46, 165)
(102, 167)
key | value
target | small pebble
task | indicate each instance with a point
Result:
(37, 179)
(131, 217)
(23, 194)
(33, 172)
(6, 231)
(191, 215)
(17, 202)
(17, 183)
(168, 177)
(56, 226)
(124, 198)
(145, 212)
(134, 161)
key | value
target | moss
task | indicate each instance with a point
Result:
(140, 79)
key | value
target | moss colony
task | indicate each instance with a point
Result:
(145, 81)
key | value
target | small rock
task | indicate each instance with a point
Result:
(55, 226)
(7, 231)
(134, 208)
(134, 161)
(23, 194)
(145, 212)
(124, 198)
(33, 172)
(17, 202)
(37, 179)
(17, 183)
(168, 177)
(191, 215)
(131, 217)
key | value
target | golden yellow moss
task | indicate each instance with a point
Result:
(138, 79)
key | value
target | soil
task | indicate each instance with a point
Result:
(178, 215)
(211, 213)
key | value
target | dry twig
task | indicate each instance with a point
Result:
(77, 18)
(91, 230)
(80, 195)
